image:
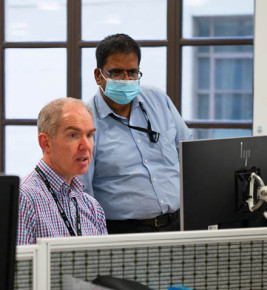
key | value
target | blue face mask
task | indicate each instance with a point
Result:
(121, 91)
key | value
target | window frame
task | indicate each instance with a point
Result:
(174, 44)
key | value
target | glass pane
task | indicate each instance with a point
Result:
(219, 133)
(235, 18)
(233, 48)
(233, 107)
(33, 78)
(203, 49)
(154, 72)
(203, 73)
(233, 27)
(141, 19)
(202, 27)
(216, 85)
(233, 74)
(22, 149)
(189, 82)
(203, 107)
(154, 66)
(89, 86)
(35, 20)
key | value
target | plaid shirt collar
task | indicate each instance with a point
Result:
(58, 184)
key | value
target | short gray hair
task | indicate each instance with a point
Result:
(49, 116)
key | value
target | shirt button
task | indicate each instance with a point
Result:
(154, 178)
(138, 140)
(162, 201)
(145, 160)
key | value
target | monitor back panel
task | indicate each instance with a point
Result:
(208, 196)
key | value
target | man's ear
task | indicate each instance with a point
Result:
(44, 142)
(98, 76)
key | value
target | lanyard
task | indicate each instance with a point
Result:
(153, 136)
(60, 208)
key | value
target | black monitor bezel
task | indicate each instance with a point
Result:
(9, 185)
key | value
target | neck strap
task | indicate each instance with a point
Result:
(60, 208)
(153, 136)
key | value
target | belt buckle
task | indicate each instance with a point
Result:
(158, 224)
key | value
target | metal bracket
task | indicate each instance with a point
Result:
(261, 192)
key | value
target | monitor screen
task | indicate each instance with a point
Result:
(215, 180)
(9, 188)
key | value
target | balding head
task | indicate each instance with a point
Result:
(49, 116)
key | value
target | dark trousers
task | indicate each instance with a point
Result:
(164, 223)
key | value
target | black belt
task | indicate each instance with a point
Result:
(161, 220)
(159, 223)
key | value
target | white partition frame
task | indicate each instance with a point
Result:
(29, 253)
(48, 245)
(260, 69)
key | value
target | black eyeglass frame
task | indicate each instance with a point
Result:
(109, 74)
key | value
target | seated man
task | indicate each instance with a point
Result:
(52, 202)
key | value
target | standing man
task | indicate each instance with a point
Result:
(52, 202)
(134, 171)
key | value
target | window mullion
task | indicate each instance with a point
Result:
(73, 53)
(2, 102)
(174, 51)
(212, 76)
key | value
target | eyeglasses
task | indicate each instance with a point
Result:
(119, 74)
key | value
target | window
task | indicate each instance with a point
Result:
(217, 67)
(199, 52)
(224, 76)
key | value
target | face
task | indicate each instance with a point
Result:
(116, 61)
(69, 152)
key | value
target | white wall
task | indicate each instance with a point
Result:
(260, 69)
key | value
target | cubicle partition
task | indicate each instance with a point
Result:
(219, 259)
(26, 267)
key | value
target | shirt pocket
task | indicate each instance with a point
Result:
(167, 145)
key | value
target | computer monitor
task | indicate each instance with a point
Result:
(9, 188)
(215, 182)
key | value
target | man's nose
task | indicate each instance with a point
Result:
(125, 75)
(86, 143)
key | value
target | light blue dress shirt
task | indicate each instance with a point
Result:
(131, 177)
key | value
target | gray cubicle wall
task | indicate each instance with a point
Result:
(25, 268)
(23, 275)
(220, 259)
(233, 265)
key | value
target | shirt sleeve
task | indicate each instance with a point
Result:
(26, 233)
(101, 219)
(98, 212)
(183, 133)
